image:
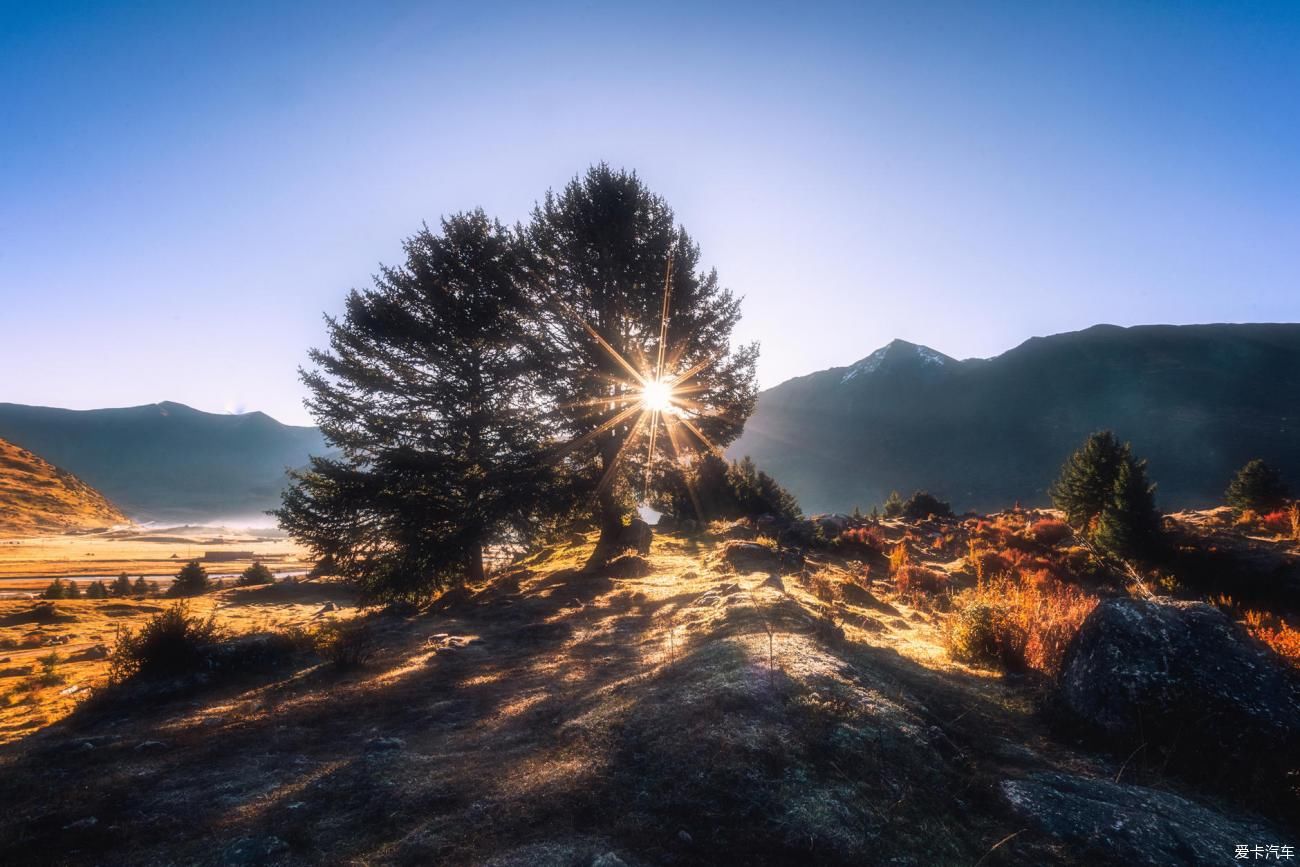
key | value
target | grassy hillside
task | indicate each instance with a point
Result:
(38, 497)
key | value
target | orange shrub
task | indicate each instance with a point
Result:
(868, 537)
(1276, 633)
(1278, 522)
(1018, 624)
(988, 564)
(910, 580)
(898, 558)
(1049, 531)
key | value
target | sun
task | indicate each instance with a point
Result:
(657, 396)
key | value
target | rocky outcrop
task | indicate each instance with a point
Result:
(1180, 680)
(1101, 822)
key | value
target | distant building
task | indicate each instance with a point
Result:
(226, 556)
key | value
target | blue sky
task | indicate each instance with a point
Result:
(186, 187)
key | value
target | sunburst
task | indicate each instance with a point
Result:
(659, 397)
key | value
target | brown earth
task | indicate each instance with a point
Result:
(38, 497)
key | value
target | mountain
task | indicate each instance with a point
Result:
(167, 461)
(38, 497)
(1197, 401)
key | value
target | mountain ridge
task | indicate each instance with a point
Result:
(39, 497)
(1198, 400)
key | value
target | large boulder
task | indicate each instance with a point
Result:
(636, 536)
(1103, 822)
(1182, 682)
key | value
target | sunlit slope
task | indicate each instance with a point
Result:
(38, 497)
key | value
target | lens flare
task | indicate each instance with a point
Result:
(657, 396)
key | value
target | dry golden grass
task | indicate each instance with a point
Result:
(79, 631)
(38, 497)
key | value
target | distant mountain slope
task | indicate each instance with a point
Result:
(167, 461)
(1197, 401)
(38, 497)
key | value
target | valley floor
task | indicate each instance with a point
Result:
(702, 713)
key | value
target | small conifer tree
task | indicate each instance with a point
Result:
(191, 580)
(121, 586)
(1258, 487)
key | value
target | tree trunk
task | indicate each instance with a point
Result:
(475, 566)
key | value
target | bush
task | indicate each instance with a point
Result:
(170, 643)
(911, 580)
(1257, 487)
(1276, 633)
(347, 644)
(256, 574)
(1278, 522)
(192, 580)
(1018, 624)
(1050, 532)
(49, 675)
(922, 505)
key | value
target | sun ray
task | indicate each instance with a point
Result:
(622, 449)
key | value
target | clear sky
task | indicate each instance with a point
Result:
(186, 187)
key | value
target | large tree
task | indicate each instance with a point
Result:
(428, 392)
(628, 366)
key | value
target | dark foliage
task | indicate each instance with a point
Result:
(1257, 486)
(97, 590)
(1104, 491)
(710, 489)
(601, 251)
(190, 581)
(893, 507)
(923, 505)
(121, 586)
(257, 573)
(430, 392)
(172, 642)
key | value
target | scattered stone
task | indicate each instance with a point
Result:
(685, 837)
(1104, 822)
(609, 859)
(82, 824)
(628, 566)
(150, 746)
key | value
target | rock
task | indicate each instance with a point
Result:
(832, 525)
(666, 524)
(856, 594)
(688, 526)
(685, 837)
(150, 746)
(741, 556)
(1186, 682)
(382, 744)
(82, 824)
(775, 582)
(1101, 822)
(608, 859)
(636, 536)
(328, 606)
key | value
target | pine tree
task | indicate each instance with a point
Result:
(121, 585)
(141, 587)
(56, 589)
(1087, 482)
(1258, 487)
(601, 252)
(893, 507)
(1129, 525)
(190, 581)
(429, 392)
(257, 573)
(97, 590)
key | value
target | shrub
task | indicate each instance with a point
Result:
(910, 580)
(899, 557)
(1257, 487)
(172, 642)
(347, 644)
(1278, 522)
(867, 538)
(893, 507)
(190, 581)
(1018, 624)
(923, 505)
(256, 574)
(1276, 633)
(1049, 531)
(1293, 516)
(49, 675)
(987, 564)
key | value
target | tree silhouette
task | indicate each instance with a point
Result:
(601, 252)
(1257, 486)
(429, 392)
(190, 581)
